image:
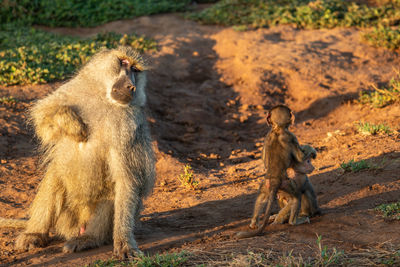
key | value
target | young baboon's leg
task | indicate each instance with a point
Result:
(274, 183)
(96, 232)
(283, 215)
(260, 204)
(44, 209)
(295, 205)
(270, 199)
(312, 202)
(305, 206)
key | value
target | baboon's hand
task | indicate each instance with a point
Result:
(124, 249)
(27, 241)
(71, 124)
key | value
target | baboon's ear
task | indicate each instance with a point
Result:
(269, 118)
(292, 117)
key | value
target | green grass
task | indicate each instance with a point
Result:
(391, 210)
(383, 16)
(187, 178)
(372, 129)
(382, 97)
(383, 37)
(30, 56)
(324, 257)
(163, 260)
(74, 13)
(302, 13)
(353, 166)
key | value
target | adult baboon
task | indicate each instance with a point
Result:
(281, 150)
(98, 156)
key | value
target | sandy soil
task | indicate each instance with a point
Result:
(209, 90)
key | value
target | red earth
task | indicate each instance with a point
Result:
(209, 90)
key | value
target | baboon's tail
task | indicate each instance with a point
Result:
(12, 223)
(247, 234)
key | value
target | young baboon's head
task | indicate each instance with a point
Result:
(280, 116)
(306, 166)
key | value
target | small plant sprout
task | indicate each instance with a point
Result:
(187, 178)
(326, 258)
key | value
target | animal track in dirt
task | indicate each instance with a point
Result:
(209, 90)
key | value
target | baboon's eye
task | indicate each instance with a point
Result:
(124, 62)
(134, 69)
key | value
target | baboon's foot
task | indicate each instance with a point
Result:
(301, 220)
(273, 217)
(278, 219)
(253, 224)
(125, 250)
(318, 212)
(80, 243)
(27, 241)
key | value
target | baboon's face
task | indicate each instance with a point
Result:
(304, 167)
(124, 88)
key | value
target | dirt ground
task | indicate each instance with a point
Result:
(209, 90)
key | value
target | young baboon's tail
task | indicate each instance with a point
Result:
(265, 220)
(12, 223)
(256, 232)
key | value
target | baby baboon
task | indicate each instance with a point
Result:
(309, 205)
(281, 150)
(98, 156)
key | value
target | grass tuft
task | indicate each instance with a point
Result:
(326, 257)
(383, 37)
(380, 98)
(161, 260)
(372, 129)
(391, 210)
(353, 166)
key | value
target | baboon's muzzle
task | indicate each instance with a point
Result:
(123, 90)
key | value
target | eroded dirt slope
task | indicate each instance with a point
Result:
(208, 93)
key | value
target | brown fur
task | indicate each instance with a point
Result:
(98, 157)
(309, 204)
(281, 150)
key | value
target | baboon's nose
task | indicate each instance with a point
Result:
(132, 88)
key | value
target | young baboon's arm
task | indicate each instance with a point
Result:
(264, 152)
(296, 149)
(54, 120)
